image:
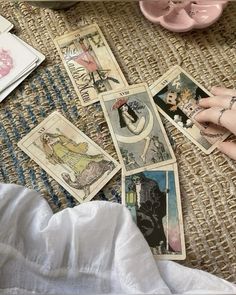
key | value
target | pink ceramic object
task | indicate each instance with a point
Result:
(183, 15)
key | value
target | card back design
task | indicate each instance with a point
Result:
(23, 59)
(176, 96)
(69, 156)
(90, 63)
(136, 128)
(6, 63)
(20, 77)
(153, 198)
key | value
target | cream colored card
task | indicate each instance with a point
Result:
(69, 156)
(90, 63)
(136, 129)
(5, 25)
(176, 95)
(153, 198)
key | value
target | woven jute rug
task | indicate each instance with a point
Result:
(144, 52)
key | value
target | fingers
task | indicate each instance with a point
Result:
(219, 91)
(220, 110)
(227, 119)
(217, 101)
(228, 148)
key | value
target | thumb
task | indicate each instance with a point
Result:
(228, 148)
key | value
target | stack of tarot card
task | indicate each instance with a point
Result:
(150, 182)
(17, 59)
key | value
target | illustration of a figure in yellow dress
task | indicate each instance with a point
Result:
(87, 169)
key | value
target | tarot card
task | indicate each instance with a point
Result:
(176, 96)
(40, 58)
(136, 129)
(69, 156)
(90, 63)
(5, 25)
(153, 198)
(15, 59)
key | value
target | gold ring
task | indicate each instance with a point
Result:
(232, 101)
(221, 114)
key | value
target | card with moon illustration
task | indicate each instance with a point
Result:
(90, 63)
(176, 96)
(153, 198)
(136, 129)
(69, 156)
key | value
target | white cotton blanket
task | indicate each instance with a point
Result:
(92, 248)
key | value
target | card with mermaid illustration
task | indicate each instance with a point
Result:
(153, 198)
(136, 129)
(90, 63)
(176, 96)
(70, 157)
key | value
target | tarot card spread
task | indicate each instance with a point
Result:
(176, 96)
(69, 156)
(136, 128)
(90, 63)
(153, 198)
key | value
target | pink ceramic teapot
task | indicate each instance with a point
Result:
(183, 15)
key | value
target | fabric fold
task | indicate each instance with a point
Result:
(93, 248)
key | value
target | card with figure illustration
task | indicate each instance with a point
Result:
(69, 156)
(176, 96)
(90, 63)
(136, 129)
(153, 198)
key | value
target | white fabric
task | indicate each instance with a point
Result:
(92, 248)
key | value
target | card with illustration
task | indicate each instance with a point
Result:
(153, 198)
(176, 96)
(90, 63)
(69, 156)
(5, 25)
(136, 129)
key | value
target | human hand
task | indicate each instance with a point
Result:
(223, 99)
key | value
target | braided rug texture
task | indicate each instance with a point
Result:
(144, 52)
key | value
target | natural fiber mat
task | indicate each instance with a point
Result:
(144, 52)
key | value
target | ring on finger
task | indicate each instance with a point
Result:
(232, 101)
(220, 116)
